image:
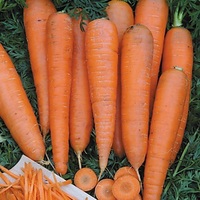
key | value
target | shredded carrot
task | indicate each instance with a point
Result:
(32, 185)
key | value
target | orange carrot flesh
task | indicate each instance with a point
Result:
(18, 114)
(178, 51)
(168, 107)
(80, 118)
(36, 14)
(136, 60)
(124, 171)
(103, 189)
(102, 59)
(121, 14)
(85, 179)
(126, 187)
(154, 15)
(59, 57)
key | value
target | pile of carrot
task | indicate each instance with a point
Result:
(126, 75)
(32, 184)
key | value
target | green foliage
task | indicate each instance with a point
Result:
(183, 177)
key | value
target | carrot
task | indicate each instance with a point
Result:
(121, 14)
(178, 51)
(124, 171)
(59, 63)
(167, 112)
(154, 15)
(101, 46)
(85, 179)
(138, 197)
(80, 119)
(36, 14)
(103, 189)
(126, 187)
(136, 60)
(17, 112)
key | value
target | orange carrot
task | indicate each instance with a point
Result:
(17, 112)
(124, 171)
(36, 14)
(154, 15)
(138, 197)
(126, 187)
(136, 60)
(80, 118)
(85, 179)
(178, 51)
(167, 112)
(101, 54)
(103, 189)
(59, 61)
(121, 14)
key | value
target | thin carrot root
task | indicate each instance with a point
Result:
(79, 156)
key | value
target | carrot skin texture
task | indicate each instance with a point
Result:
(121, 14)
(59, 57)
(101, 45)
(167, 112)
(154, 15)
(81, 121)
(178, 51)
(136, 60)
(18, 115)
(35, 17)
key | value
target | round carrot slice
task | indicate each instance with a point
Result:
(126, 187)
(85, 179)
(124, 171)
(103, 189)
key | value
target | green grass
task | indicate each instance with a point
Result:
(183, 178)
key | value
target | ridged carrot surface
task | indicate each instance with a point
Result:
(167, 112)
(101, 44)
(17, 112)
(121, 14)
(59, 61)
(136, 61)
(36, 13)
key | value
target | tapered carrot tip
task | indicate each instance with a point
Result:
(85, 179)
(61, 168)
(103, 189)
(126, 187)
(79, 157)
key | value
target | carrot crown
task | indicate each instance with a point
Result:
(178, 17)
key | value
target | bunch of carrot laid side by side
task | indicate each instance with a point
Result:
(31, 185)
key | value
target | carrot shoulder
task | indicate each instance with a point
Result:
(154, 15)
(59, 61)
(136, 60)
(36, 14)
(178, 51)
(102, 59)
(167, 112)
(16, 110)
(121, 14)
(80, 118)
